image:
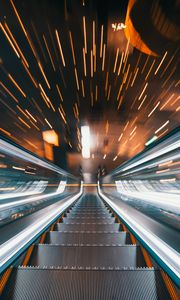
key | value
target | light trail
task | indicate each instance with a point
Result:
(8, 91)
(156, 106)
(49, 53)
(160, 128)
(84, 31)
(16, 44)
(116, 59)
(76, 77)
(9, 40)
(104, 53)
(101, 44)
(163, 58)
(72, 47)
(84, 61)
(60, 48)
(16, 85)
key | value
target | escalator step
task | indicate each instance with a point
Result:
(87, 256)
(89, 227)
(97, 220)
(117, 238)
(89, 210)
(93, 215)
(44, 284)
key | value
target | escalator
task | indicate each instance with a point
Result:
(87, 254)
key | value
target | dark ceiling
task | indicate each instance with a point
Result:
(55, 91)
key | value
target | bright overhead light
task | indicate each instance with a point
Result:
(85, 141)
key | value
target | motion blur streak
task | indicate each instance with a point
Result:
(12, 150)
(59, 191)
(159, 199)
(165, 150)
(168, 255)
(33, 188)
(15, 245)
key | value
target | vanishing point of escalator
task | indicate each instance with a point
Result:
(86, 255)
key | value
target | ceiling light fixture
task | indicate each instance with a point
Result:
(85, 141)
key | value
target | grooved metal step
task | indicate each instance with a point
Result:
(89, 227)
(89, 210)
(92, 214)
(87, 256)
(44, 284)
(88, 220)
(55, 237)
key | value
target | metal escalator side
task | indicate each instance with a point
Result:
(87, 254)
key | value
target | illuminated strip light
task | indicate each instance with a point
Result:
(160, 152)
(60, 190)
(85, 141)
(167, 201)
(61, 187)
(11, 150)
(150, 165)
(153, 139)
(167, 254)
(15, 245)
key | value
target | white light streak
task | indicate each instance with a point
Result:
(13, 246)
(85, 141)
(167, 254)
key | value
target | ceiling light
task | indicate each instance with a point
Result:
(85, 141)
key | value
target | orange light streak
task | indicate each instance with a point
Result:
(23, 122)
(16, 44)
(59, 92)
(143, 91)
(76, 76)
(133, 130)
(145, 64)
(101, 44)
(84, 61)
(164, 132)
(119, 70)
(60, 48)
(48, 123)
(21, 110)
(142, 102)
(82, 86)
(173, 70)
(116, 59)
(17, 86)
(18, 17)
(160, 128)
(150, 69)
(84, 30)
(72, 47)
(44, 75)
(30, 75)
(109, 91)
(153, 109)
(5, 131)
(126, 126)
(49, 53)
(94, 38)
(168, 100)
(9, 40)
(8, 91)
(96, 93)
(91, 64)
(104, 53)
(31, 116)
(164, 56)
